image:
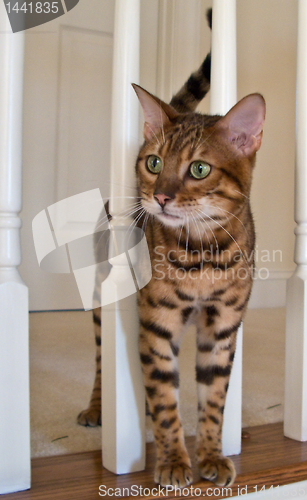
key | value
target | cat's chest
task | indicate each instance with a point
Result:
(193, 268)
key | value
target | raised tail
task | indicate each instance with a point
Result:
(197, 86)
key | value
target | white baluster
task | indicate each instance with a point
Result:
(125, 105)
(223, 90)
(123, 395)
(223, 93)
(14, 338)
(295, 416)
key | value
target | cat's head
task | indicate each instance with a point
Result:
(194, 167)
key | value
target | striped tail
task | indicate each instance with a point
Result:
(197, 86)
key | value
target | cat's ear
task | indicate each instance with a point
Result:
(243, 124)
(157, 114)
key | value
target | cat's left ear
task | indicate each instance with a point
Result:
(243, 124)
(157, 114)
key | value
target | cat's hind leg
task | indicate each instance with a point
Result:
(91, 416)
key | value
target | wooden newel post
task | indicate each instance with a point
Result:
(123, 394)
(14, 338)
(295, 416)
(223, 92)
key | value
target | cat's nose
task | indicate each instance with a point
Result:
(162, 199)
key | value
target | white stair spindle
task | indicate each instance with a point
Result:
(223, 91)
(123, 394)
(125, 105)
(15, 473)
(295, 413)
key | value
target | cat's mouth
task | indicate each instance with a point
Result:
(169, 219)
(168, 216)
(164, 216)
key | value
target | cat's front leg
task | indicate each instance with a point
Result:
(159, 352)
(216, 339)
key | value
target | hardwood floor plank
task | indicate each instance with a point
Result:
(267, 458)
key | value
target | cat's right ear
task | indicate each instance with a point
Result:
(157, 114)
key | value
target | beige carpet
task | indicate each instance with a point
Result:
(62, 367)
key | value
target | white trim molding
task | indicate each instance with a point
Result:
(269, 288)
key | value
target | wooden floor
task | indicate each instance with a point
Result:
(267, 458)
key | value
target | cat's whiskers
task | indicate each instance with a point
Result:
(233, 239)
(233, 215)
(144, 225)
(102, 221)
(144, 192)
(200, 238)
(198, 142)
(132, 197)
(187, 236)
(207, 224)
(180, 235)
(133, 225)
(121, 214)
(147, 215)
(162, 129)
(195, 220)
(154, 134)
(192, 145)
(121, 185)
(107, 221)
(239, 192)
(132, 210)
(204, 140)
(224, 219)
(137, 218)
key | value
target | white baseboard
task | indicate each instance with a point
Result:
(269, 289)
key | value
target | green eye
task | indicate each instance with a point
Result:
(199, 169)
(154, 164)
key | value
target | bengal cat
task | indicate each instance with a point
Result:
(194, 176)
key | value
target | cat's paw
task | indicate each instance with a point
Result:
(90, 417)
(173, 475)
(219, 470)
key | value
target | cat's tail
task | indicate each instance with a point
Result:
(197, 86)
